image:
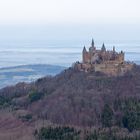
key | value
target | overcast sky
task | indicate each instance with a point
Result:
(70, 19)
(69, 11)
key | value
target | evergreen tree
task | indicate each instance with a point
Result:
(106, 116)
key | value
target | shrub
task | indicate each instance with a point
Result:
(27, 117)
(4, 101)
(35, 96)
(106, 116)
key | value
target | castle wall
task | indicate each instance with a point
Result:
(121, 57)
(113, 69)
(126, 67)
(109, 69)
(86, 57)
(83, 67)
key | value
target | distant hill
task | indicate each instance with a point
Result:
(26, 73)
(74, 105)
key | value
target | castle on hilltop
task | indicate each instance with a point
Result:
(108, 62)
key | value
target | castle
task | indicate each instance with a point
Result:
(108, 62)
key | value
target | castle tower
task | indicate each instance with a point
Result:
(85, 55)
(84, 50)
(92, 44)
(113, 48)
(122, 56)
(92, 48)
(103, 48)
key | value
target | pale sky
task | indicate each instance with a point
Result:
(69, 11)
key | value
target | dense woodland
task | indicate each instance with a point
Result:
(79, 105)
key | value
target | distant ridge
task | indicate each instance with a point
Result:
(26, 73)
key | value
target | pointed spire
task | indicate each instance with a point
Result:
(84, 49)
(92, 44)
(113, 48)
(103, 47)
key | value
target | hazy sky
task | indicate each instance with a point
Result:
(70, 19)
(69, 11)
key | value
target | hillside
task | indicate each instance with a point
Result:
(84, 106)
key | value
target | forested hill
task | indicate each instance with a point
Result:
(83, 100)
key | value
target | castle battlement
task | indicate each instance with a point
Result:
(109, 62)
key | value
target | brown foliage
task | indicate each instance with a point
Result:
(77, 98)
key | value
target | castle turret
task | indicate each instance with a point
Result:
(113, 48)
(121, 57)
(84, 49)
(103, 47)
(92, 44)
(85, 55)
(92, 48)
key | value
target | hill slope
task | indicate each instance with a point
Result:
(82, 100)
